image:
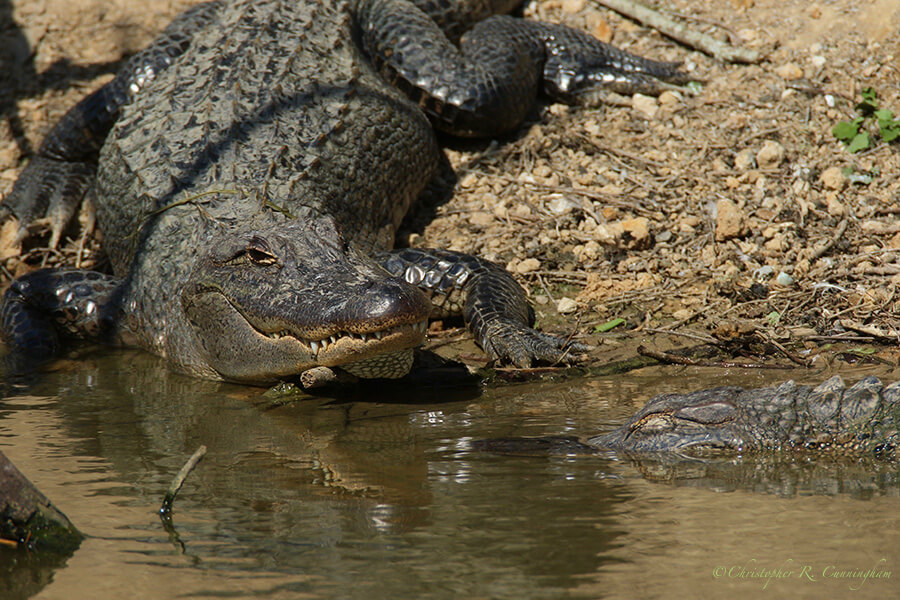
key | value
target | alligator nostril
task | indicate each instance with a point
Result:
(387, 303)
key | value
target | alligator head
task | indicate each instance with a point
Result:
(862, 419)
(273, 299)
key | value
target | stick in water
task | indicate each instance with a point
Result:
(166, 507)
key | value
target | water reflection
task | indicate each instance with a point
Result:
(380, 494)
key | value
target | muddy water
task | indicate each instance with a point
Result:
(381, 496)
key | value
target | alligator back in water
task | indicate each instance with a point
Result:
(251, 167)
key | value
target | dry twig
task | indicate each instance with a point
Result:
(679, 32)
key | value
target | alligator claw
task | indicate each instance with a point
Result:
(48, 192)
(511, 342)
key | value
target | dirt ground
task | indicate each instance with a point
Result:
(731, 215)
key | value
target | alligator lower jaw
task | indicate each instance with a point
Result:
(385, 353)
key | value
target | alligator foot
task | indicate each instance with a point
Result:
(43, 305)
(492, 303)
(52, 186)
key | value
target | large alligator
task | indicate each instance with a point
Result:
(250, 170)
(829, 419)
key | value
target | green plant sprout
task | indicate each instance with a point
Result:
(855, 135)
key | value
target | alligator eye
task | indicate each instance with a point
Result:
(654, 424)
(259, 253)
(260, 257)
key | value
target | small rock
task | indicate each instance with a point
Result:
(745, 160)
(894, 242)
(481, 219)
(599, 27)
(833, 178)
(560, 205)
(818, 61)
(771, 155)
(528, 265)
(730, 222)
(684, 227)
(834, 206)
(608, 233)
(566, 306)
(669, 98)
(609, 213)
(521, 210)
(9, 155)
(748, 35)
(789, 72)
(573, 6)
(784, 279)
(764, 272)
(639, 231)
(468, 180)
(8, 247)
(588, 252)
(646, 105)
(776, 244)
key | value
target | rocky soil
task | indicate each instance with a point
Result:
(731, 215)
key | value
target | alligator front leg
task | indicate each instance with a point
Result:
(42, 306)
(52, 185)
(491, 302)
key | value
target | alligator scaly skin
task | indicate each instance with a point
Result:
(259, 152)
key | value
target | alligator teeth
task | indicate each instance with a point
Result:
(323, 344)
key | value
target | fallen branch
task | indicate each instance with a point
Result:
(680, 32)
(29, 520)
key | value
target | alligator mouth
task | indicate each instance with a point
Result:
(385, 353)
(326, 345)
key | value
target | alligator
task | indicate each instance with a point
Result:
(251, 167)
(831, 419)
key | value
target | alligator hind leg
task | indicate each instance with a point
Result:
(492, 303)
(42, 306)
(488, 84)
(53, 184)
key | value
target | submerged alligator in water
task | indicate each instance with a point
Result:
(250, 170)
(860, 421)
